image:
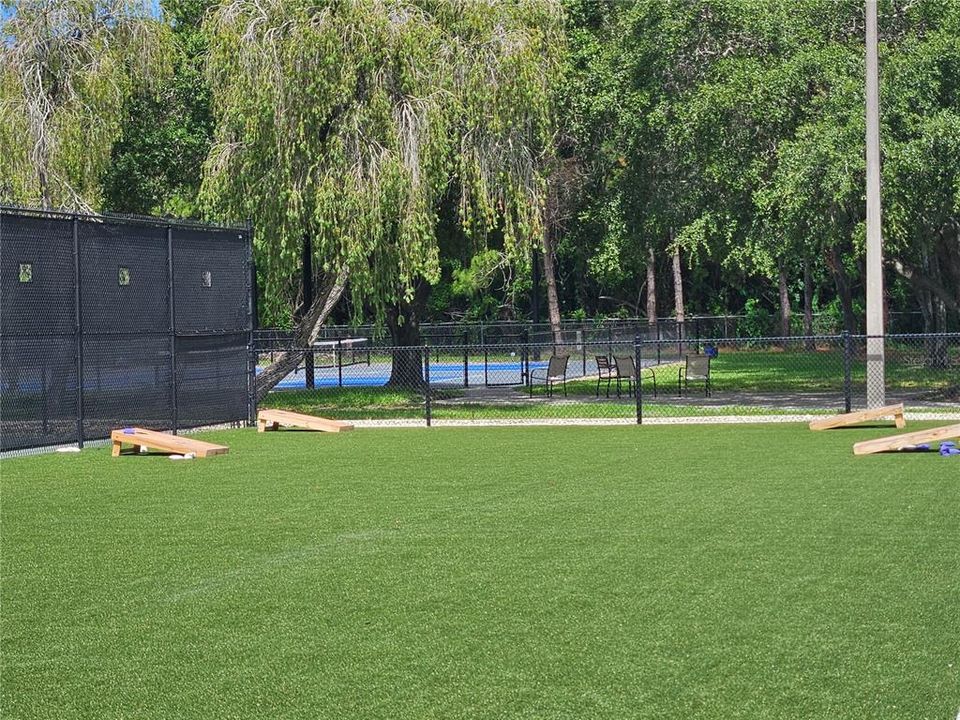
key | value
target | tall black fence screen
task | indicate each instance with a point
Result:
(108, 322)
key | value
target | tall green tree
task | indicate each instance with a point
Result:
(351, 121)
(737, 130)
(67, 70)
(157, 164)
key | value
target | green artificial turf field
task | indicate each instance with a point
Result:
(618, 572)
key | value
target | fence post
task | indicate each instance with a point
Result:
(583, 351)
(171, 301)
(466, 360)
(658, 341)
(486, 359)
(638, 395)
(306, 283)
(847, 362)
(426, 382)
(78, 330)
(339, 352)
(253, 321)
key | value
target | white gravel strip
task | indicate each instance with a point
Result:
(703, 420)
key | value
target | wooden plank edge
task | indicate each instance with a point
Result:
(859, 416)
(898, 442)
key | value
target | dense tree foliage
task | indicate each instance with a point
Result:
(695, 156)
(67, 70)
(733, 132)
(157, 164)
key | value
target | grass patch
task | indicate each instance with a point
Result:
(722, 572)
(772, 371)
(353, 402)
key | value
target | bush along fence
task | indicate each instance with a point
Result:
(109, 322)
(638, 381)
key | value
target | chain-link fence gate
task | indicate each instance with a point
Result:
(107, 322)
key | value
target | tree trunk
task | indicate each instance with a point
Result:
(45, 201)
(550, 275)
(842, 283)
(785, 310)
(305, 334)
(651, 289)
(807, 305)
(678, 291)
(403, 321)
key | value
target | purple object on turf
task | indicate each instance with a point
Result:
(128, 431)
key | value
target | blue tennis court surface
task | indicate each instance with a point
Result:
(377, 375)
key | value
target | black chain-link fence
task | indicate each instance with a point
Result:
(153, 317)
(695, 328)
(642, 380)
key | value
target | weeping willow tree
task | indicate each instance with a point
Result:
(354, 120)
(67, 68)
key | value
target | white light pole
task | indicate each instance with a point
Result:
(875, 329)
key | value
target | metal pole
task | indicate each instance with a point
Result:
(252, 322)
(171, 301)
(583, 351)
(847, 363)
(466, 360)
(658, 341)
(875, 330)
(426, 382)
(307, 271)
(638, 394)
(339, 351)
(78, 330)
(486, 357)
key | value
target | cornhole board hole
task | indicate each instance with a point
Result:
(273, 419)
(898, 442)
(852, 418)
(165, 442)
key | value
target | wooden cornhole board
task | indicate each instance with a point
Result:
(898, 442)
(846, 419)
(165, 442)
(275, 418)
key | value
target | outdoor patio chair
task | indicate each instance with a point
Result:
(695, 369)
(625, 370)
(554, 374)
(605, 371)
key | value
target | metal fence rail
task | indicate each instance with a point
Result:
(107, 322)
(636, 381)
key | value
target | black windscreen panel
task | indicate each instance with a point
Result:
(124, 279)
(126, 383)
(38, 405)
(212, 376)
(211, 282)
(139, 366)
(36, 276)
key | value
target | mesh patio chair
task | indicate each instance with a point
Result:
(695, 369)
(554, 374)
(626, 369)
